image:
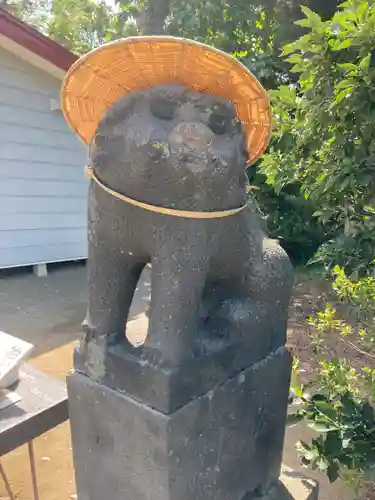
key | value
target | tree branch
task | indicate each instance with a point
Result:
(155, 16)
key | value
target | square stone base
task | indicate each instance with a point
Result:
(222, 445)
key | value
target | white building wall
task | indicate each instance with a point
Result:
(43, 191)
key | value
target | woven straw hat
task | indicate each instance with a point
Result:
(100, 77)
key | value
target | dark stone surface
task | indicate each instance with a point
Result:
(166, 389)
(220, 446)
(198, 412)
(216, 284)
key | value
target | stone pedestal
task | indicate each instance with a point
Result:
(225, 444)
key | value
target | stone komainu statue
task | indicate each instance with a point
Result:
(201, 408)
(168, 154)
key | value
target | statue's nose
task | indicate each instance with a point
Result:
(190, 134)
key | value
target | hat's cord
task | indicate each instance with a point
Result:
(162, 210)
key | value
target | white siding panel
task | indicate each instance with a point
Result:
(23, 80)
(15, 169)
(52, 252)
(18, 222)
(41, 205)
(48, 120)
(21, 75)
(11, 132)
(30, 237)
(17, 150)
(43, 191)
(22, 99)
(37, 187)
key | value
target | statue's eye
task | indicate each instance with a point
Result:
(219, 123)
(163, 108)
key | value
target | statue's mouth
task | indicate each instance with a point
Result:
(192, 157)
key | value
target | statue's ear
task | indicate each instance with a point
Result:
(97, 152)
(98, 141)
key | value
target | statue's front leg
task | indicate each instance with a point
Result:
(177, 283)
(112, 283)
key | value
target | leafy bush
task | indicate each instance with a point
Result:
(325, 130)
(289, 218)
(346, 427)
(358, 299)
(339, 402)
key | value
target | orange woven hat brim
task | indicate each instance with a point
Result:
(100, 77)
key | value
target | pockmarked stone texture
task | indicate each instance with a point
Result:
(220, 287)
(222, 445)
(198, 411)
(165, 388)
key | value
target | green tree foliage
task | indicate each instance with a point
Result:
(289, 217)
(325, 130)
(80, 25)
(144, 16)
(34, 12)
(254, 31)
(155, 14)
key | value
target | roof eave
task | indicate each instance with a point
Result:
(27, 43)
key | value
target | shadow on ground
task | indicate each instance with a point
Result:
(48, 312)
